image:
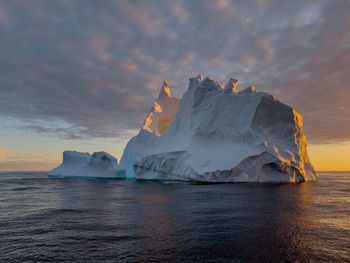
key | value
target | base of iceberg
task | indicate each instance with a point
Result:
(262, 168)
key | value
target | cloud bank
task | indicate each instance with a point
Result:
(79, 69)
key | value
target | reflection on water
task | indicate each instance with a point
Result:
(159, 222)
(65, 220)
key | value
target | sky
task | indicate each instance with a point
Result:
(82, 75)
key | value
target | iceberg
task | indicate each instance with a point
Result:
(72, 162)
(161, 114)
(220, 134)
(77, 164)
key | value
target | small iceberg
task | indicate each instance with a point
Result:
(97, 165)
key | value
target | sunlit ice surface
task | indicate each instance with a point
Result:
(90, 220)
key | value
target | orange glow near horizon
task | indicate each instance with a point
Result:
(330, 157)
(326, 157)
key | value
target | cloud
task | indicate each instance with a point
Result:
(91, 69)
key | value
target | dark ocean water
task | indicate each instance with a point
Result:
(90, 220)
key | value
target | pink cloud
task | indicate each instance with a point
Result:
(5, 18)
(249, 60)
(98, 46)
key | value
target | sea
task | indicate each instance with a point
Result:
(94, 220)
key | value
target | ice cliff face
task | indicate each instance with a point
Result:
(162, 113)
(71, 163)
(222, 135)
(99, 164)
(156, 123)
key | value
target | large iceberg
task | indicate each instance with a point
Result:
(220, 134)
(77, 164)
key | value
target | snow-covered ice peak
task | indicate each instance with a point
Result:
(250, 89)
(230, 86)
(195, 81)
(164, 92)
(162, 113)
(208, 84)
